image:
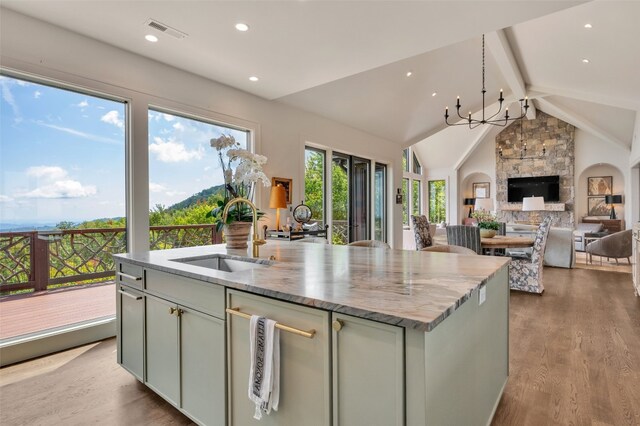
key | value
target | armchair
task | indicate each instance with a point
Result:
(616, 245)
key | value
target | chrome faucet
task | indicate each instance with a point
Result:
(256, 240)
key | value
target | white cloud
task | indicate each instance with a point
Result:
(47, 172)
(56, 184)
(156, 187)
(78, 133)
(113, 117)
(168, 117)
(62, 189)
(8, 98)
(173, 152)
(83, 104)
(23, 83)
(5, 198)
(37, 94)
(178, 126)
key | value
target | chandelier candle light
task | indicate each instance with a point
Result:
(472, 122)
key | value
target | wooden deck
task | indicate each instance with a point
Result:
(22, 315)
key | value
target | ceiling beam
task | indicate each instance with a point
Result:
(584, 96)
(580, 122)
(503, 55)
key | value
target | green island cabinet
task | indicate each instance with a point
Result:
(174, 336)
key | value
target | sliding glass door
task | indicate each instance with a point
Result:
(359, 186)
(380, 202)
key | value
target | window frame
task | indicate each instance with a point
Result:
(412, 175)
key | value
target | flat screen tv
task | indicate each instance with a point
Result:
(540, 186)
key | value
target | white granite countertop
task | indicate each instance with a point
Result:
(400, 287)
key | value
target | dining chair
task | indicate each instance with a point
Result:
(445, 248)
(421, 231)
(370, 243)
(464, 236)
(525, 274)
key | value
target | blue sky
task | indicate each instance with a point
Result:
(62, 155)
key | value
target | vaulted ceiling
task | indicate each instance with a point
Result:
(348, 61)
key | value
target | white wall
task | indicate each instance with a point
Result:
(481, 164)
(595, 157)
(635, 143)
(32, 46)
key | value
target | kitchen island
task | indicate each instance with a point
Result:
(376, 337)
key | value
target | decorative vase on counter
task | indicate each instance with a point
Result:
(487, 233)
(237, 234)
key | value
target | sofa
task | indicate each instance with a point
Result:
(559, 251)
(581, 230)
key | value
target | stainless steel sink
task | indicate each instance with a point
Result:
(223, 263)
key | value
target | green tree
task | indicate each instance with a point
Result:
(314, 184)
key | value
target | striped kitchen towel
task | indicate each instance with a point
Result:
(264, 371)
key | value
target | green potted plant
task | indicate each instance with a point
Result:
(487, 223)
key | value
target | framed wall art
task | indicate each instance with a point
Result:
(481, 190)
(597, 207)
(599, 185)
(288, 186)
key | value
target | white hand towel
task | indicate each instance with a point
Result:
(264, 371)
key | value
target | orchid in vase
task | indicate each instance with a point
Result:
(240, 182)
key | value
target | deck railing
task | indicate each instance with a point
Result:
(41, 260)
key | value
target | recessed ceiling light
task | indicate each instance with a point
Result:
(151, 38)
(434, 93)
(242, 27)
(585, 60)
(409, 73)
(588, 26)
(253, 78)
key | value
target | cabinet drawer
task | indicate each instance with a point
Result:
(129, 274)
(199, 295)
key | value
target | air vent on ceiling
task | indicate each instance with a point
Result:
(165, 29)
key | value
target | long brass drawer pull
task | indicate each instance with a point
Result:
(308, 334)
(129, 295)
(129, 277)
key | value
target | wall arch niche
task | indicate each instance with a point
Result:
(466, 191)
(604, 169)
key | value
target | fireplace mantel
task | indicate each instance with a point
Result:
(549, 207)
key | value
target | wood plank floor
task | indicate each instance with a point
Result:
(575, 360)
(25, 314)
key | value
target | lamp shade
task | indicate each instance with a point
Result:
(484, 204)
(613, 199)
(531, 204)
(469, 201)
(278, 198)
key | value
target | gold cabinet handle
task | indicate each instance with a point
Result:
(129, 277)
(337, 325)
(304, 333)
(176, 311)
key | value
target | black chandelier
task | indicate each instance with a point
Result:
(523, 150)
(473, 123)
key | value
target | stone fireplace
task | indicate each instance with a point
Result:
(558, 139)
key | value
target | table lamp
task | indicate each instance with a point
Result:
(613, 199)
(485, 204)
(469, 202)
(277, 201)
(533, 204)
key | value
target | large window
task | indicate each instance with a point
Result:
(411, 186)
(185, 178)
(314, 188)
(437, 201)
(62, 204)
